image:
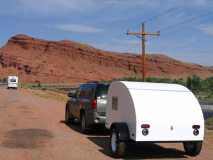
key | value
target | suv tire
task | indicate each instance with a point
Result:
(69, 119)
(83, 123)
(67, 116)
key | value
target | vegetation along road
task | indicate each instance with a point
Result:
(32, 128)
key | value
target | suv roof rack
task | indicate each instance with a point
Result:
(93, 82)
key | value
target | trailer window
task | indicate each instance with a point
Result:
(115, 103)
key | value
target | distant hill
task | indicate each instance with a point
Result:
(67, 61)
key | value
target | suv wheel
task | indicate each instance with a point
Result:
(69, 119)
(83, 123)
(67, 115)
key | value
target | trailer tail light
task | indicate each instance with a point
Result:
(94, 104)
(196, 126)
(145, 126)
(196, 129)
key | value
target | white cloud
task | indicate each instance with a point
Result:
(120, 45)
(78, 28)
(207, 28)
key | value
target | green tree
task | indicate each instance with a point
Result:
(189, 83)
(195, 83)
(209, 84)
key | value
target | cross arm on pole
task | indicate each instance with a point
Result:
(153, 34)
(143, 33)
(134, 33)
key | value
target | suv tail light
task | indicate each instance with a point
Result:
(94, 104)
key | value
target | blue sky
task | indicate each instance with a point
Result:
(103, 24)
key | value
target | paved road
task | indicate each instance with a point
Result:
(32, 128)
(207, 107)
(207, 111)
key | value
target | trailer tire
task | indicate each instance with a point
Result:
(123, 130)
(118, 139)
(117, 146)
(192, 148)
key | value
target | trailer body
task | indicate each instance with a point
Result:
(171, 112)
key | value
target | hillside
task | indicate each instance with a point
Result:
(67, 61)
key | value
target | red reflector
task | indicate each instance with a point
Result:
(196, 126)
(94, 104)
(145, 126)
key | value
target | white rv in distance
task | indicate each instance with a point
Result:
(12, 82)
(153, 112)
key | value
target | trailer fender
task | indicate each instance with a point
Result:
(122, 129)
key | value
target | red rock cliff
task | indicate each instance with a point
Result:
(67, 61)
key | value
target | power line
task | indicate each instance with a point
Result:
(168, 11)
(164, 13)
(189, 20)
(177, 26)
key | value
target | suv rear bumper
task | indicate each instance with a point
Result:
(98, 119)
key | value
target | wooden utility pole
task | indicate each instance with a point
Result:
(142, 35)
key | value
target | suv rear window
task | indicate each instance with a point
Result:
(12, 80)
(86, 91)
(102, 90)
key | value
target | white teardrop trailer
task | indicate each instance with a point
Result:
(153, 112)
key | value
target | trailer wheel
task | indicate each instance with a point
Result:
(192, 148)
(117, 146)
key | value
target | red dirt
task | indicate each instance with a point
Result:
(67, 61)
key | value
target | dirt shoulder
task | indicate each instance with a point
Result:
(46, 94)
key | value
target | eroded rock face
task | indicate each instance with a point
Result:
(67, 61)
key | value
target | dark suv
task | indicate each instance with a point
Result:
(87, 104)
